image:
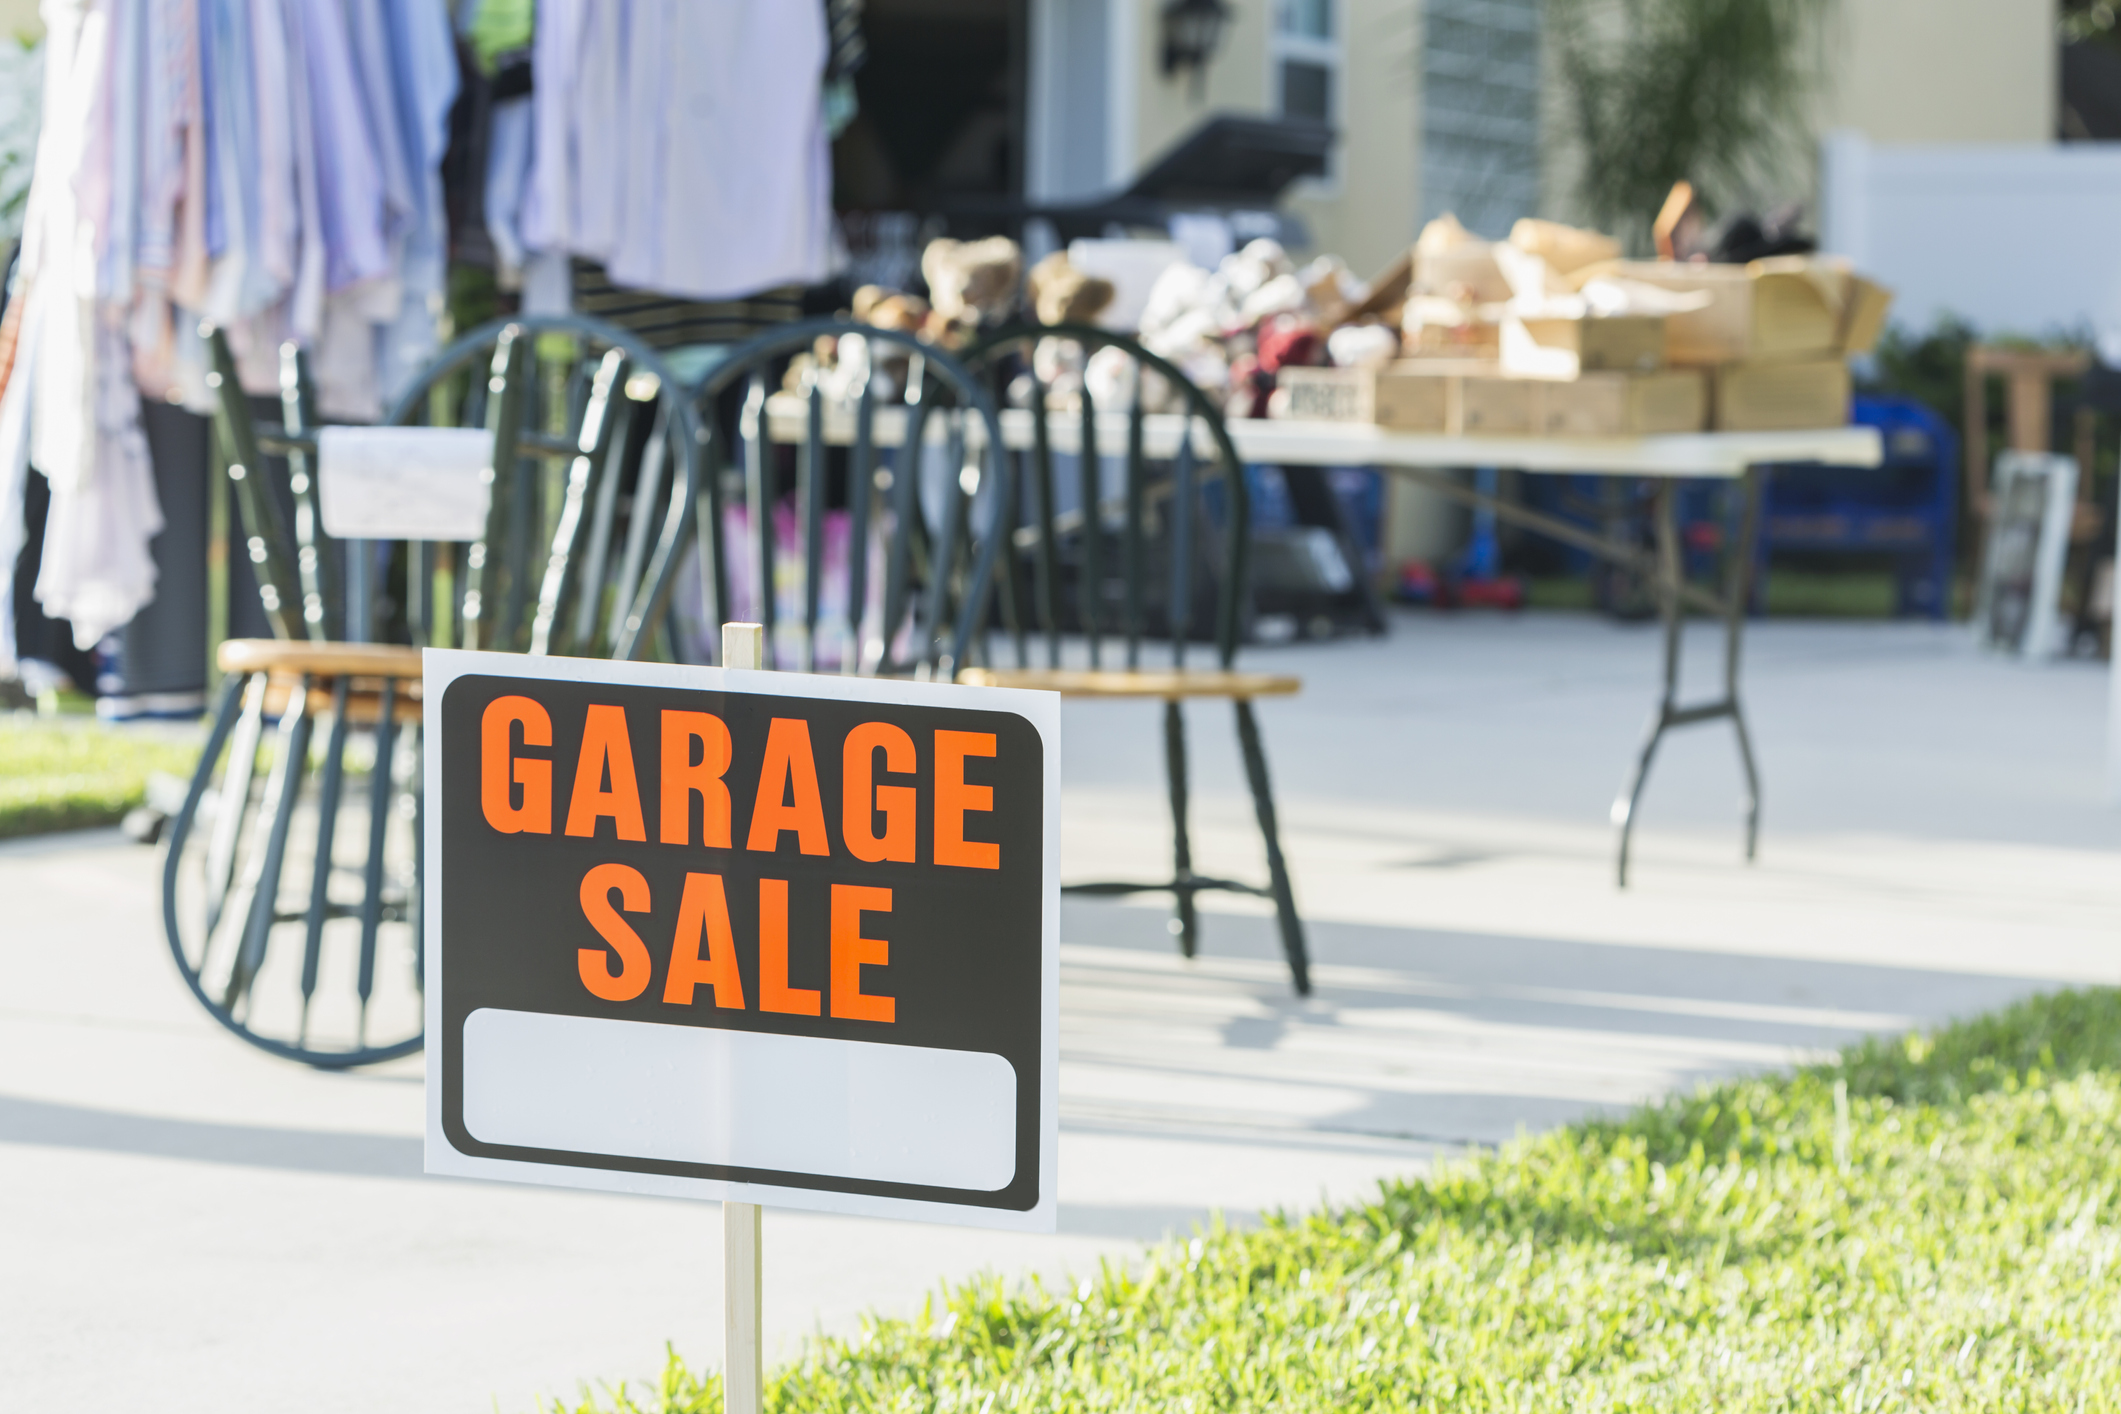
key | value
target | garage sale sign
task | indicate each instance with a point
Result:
(767, 937)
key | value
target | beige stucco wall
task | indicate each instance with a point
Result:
(1942, 70)
(1366, 212)
(19, 19)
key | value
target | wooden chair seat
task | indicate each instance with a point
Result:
(294, 657)
(365, 666)
(364, 699)
(1165, 684)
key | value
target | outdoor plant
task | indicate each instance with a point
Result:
(21, 97)
(1713, 92)
(1926, 1223)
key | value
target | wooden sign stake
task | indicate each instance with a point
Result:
(743, 1362)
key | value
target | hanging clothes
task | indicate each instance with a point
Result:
(681, 144)
(71, 408)
(423, 69)
(269, 166)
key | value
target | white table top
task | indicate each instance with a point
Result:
(1292, 442)
(1719, 454)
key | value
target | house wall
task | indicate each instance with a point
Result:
(1366, 211)
(1942, 71)
(2014, 237)
(19, 20)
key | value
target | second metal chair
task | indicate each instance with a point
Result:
(1167, 552)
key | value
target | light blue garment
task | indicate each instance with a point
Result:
(126, 74)
(231, 128)
(423, 59)
(508, 159)
(424, 74)
(171, 31)
(350, 181)
(370, 49)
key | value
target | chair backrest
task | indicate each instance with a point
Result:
(1126, 593)
(596, 473)
(894, 580)
(593, 473)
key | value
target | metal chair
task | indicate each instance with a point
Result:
(927, 525)
(579, 555)
(1165, 559)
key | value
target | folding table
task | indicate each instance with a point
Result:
(1428, 459)
(1665, 460)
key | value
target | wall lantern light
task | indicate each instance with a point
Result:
(1192, 31)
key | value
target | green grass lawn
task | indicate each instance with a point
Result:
(1928, 1224)
(69, 774)
(1791, 593)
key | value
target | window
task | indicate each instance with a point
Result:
(1480, 96)
(1306, 55)
(1310, 18)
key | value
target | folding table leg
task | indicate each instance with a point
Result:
(1183, 921)
(1738, 596)
(1292, 928)
(1669, 609)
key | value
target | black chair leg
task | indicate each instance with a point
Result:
(1183, 920)
(1292, 928)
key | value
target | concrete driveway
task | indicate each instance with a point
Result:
(189, 1225)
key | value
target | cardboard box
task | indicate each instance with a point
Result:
(1623, 404)
(1773, 314)
(1569, 348)
(1390, 396)
(1864, 318)
(1475, 340)
(1465, 272)
(1565, 249)
(1388, 291)
(1782, 397)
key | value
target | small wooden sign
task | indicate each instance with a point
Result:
(2018, 599)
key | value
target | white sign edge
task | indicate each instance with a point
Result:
(442, 666)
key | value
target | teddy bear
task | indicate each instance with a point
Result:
(970, 283)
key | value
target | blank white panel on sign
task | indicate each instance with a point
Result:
(404, 483)
(744, 1099)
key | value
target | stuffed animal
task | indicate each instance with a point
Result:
(857, 360)
(1362, 345)
(970, 283)
(1062, 294)
(889, 309)
(1288, 341)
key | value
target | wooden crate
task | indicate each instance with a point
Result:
(1623, 404)
(1782, 397)
(1567, 348)
(1492, 404)
(1391, 396)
